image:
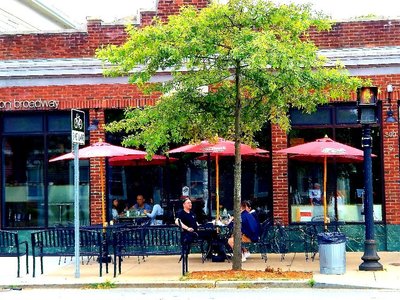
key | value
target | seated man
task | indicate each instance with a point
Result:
(141, 205)
(187, 221)
(250, 230)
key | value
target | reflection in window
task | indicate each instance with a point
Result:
(61, 184)
(24, 181)
(38, 193)
(344, 192)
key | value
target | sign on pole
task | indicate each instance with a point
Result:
(78, 126)
(78, 138)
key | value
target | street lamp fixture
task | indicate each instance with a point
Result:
(389, 114)
(367, 112)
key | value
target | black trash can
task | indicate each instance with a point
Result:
(332, 252)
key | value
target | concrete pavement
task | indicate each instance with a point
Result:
(165, 271)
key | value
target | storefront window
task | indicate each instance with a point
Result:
(39, 193)
(24, 181)
(61, 185)
(344, 187)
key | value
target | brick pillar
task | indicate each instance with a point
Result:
(391, 166)
(279, 175)
(97, 166)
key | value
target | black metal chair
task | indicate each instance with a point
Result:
(11, 247)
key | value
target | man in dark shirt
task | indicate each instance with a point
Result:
(187, 221)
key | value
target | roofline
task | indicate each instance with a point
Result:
(49, 14)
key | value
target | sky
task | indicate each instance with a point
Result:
(347, 9)
(109, 10)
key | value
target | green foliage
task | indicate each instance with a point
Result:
(262, 44)
(102, 285)
(256, 59)
(311, 282)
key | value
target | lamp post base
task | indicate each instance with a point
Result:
(370, 257)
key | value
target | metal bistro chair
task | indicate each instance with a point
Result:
(264, 243)
(315, 226)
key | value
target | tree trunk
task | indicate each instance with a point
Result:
(237, 184)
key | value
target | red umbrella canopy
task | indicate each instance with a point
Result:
(324, 147)
(139, 160)
(336, 159)
(246, 157)
(100, 149)
(221, 147)
(323, 150)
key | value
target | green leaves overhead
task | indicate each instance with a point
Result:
(264, 45)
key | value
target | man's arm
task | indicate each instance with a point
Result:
(183, 226)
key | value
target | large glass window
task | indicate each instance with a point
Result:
(61, 185)
(24, 181)
(344, 187)
(38, 193)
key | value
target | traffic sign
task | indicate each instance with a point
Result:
(77, 127)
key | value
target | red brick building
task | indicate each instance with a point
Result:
(43, 76)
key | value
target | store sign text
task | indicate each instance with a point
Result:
(29, 104)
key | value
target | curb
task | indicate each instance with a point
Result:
(209, 284)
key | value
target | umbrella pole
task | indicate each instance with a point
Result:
(103, 211)
(217, 186)
(324, 199)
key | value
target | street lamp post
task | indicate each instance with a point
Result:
(366, 104)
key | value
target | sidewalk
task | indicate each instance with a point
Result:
(165, 271)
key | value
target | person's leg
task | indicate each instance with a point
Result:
(245, 252)
(230, 241)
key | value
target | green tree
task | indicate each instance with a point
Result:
(255, 57)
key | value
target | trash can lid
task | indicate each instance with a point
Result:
(331, 238)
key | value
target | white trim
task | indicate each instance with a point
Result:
(79, 71)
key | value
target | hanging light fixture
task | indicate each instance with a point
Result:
(389, 114)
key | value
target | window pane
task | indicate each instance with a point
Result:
(346, 115)
(59, 122)
(23, 123)
(61, 184)
(321, 117)
(344, 180)
(24, 197)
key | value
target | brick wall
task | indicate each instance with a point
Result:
(359, 34)
(98, 97)
(279, 175)
(82, 96)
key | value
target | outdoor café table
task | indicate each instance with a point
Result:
(134, 220)
(216, 237)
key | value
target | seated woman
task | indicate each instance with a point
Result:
(115, 212)
(155, 214)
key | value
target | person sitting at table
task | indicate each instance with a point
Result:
(115, 211)
(254, 213)
(155, 214)
(141, 205)
(186, 219)
(250, 230)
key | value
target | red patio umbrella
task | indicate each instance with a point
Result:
(140, 160)
(220, 148)
(247, 157)
(323, 150)
(100, 150)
